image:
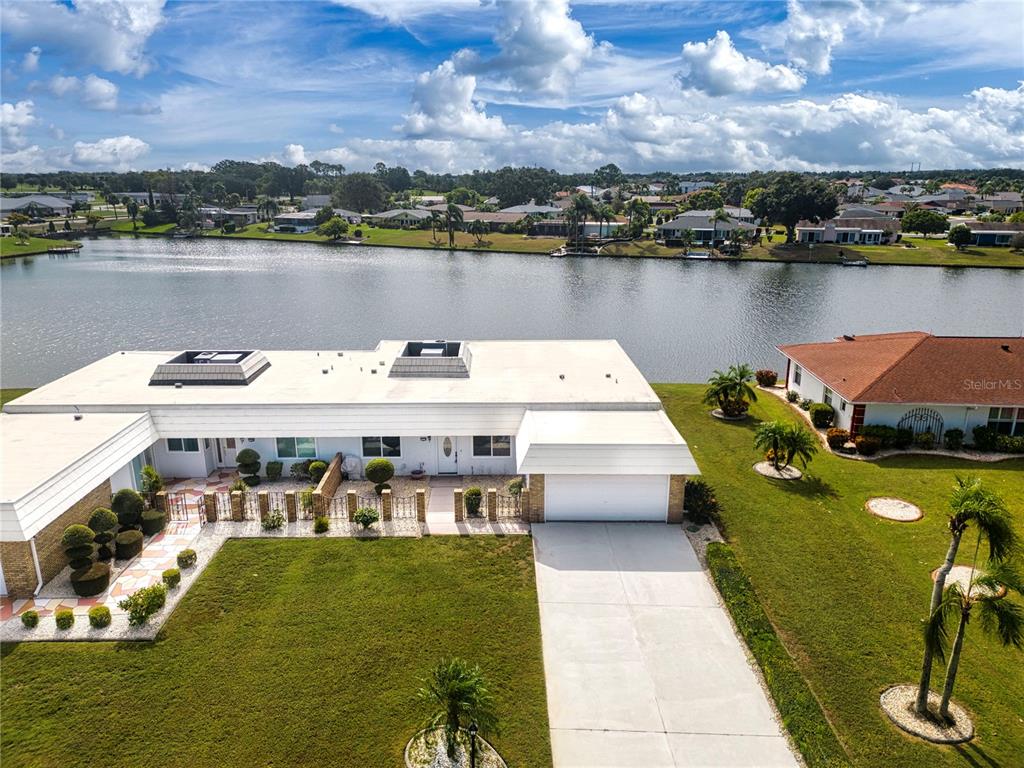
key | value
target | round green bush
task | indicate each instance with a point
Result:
(248, 462)
(822, 415)
(171, 577)
(953, 439)
(91, 580)
(186, 558)
(153, 521)
(128, 506)
(473, 497)
(837, 437)
(30, 619)
(366, 516)
(321, 525)
(317, 469)
(99, 617)
(76, 536)
(128, 544)
(102, 520)
(867, 445)
(379, 471)
(65, 618)
(381, 487)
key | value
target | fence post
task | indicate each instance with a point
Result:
(524, 505)
(492, 505)
(318, 504)
(160, 501)
(421, 505)
(210, 503)
(352, 504)
(263, 499)
(236, 506)
(289, 503)
(385, 506)
(460, 509)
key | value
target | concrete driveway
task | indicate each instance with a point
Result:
(642, 666)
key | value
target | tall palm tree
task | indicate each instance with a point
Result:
(133, 211)
(785, 442)
(730, 390)
(607, 216)
(686, 237)
(584, 208)
(1000, 617)
(435, 223)
(453, 219)
(113, 201)
(459, 696)
(970, 503)
(719, 217)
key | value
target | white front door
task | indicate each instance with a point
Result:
(227, 448)
(447, 456)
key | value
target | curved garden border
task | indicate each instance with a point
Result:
(897, 703)
(719, 414)
(765, 469)
(495, 755)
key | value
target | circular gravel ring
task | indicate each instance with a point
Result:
(717, 413)
(894, 509)
(765, 469)
(898, 703)
(486, 754)
(961, 574)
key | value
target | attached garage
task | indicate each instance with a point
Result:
(596, 497)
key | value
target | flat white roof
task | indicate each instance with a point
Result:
(602, 428)
(528, 373)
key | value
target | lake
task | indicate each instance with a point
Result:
(677, 319)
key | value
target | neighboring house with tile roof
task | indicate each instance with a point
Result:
(914, 379)
(872, 230)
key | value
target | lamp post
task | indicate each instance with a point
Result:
(472, 744)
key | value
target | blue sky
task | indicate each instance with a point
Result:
(451, 85)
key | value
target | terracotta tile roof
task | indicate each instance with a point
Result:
(916, 367)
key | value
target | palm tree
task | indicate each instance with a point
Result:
(1000, 617)
(583, 207)
(478, 229)
(113, 200)
(435, 223)
(970, 503)
(607, 216)
(266, 207)
(459, 695)
(133, 211)
(686, 237)
(730, 390)
(785, 442)
(719, 216)
(453, 219)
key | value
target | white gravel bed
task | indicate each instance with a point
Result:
(898, 703)
(894, 509)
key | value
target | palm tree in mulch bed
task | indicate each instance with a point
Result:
(730, 390)
(782, 443)
(460, 697)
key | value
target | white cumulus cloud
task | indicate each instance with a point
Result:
(443, 104)
(717, 68)
(31, 61)
(114, 153)
(93, 91)
(294, 154)
(402, 11)
(14, 119)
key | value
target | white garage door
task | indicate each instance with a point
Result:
(600, 497)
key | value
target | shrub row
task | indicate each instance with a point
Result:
(986, 439)
(889, 437)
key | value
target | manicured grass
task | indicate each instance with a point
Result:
(126, 226)
(6, 395)
(292, 653)
(847, 591)
(647, 248)
(930, 251)
(10, 248)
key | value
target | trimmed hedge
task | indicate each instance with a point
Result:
(822, 415)
(171, 578)
(99, 617)
(153, 521)
(837, 438)
(91, 580)
(473, 497)
(1008, 444)
(128, 544)
(128, 506)
(797, 704)
(186, 558)
(867, 445)
(766, 377)
(378, 471)
(30, 619)
(274, 470)
(65, 618)
(953, 439)
(889, 437)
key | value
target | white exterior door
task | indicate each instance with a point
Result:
(606, 497)
(227, 449)
(447, 456)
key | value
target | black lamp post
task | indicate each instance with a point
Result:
(472, 744)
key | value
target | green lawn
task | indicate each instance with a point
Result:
(6, 395)
(11, 249)
(847, 591)
(125, 225)
(928, 251)
(292, 653)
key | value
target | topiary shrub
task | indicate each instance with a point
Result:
(379, 471)
(128, 506)
(321, 524)
(792, 395)
(822, 415)
(766, 377)
(274, 470)
(128, 544)
(473, 497)
(171, 578)
(248, 464)
(143, 603)
(65, 618)
(700, 502)
(102, 520)
(91, 580)
(153, 521)
(925, 441)
(99, 617)
(984, 438)
(867, 445)
(317, 470)
(186, 558)
(366, 516)
(953, 439)
(274, 520)
(837, 438)
(251, 481)
(77, 542)
(30, 619)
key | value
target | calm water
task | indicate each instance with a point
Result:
(676, 319)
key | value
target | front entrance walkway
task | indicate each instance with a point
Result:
(642, 665)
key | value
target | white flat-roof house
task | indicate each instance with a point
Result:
(576, 418)
(872, 230)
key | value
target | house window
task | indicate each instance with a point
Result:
(797, 370)
(1006, 421)
(296, 448)
(492, 445)
(842, 404)
(382, 446)
(826, 396)
(183, 444)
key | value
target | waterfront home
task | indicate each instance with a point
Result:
(913, 380)
(706, 231)
(993, 232)
(305, 221)
(576, 419)
(494, 219)
(656, 203)
(242, 216)
(734, 213)
(34, 205)
(872, 230)
(400, 218)
(592, 228)
(532, 209)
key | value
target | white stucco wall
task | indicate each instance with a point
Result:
(812, 387)
(953, 416)
(123, 478)
(184, 463)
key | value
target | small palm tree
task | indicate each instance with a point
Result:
(686, 237)
(999, 617)
(133, 211)
(452, 220)
(478, 229)
(785, 442)
(731, 390)
(459, 696)
(970, 503)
